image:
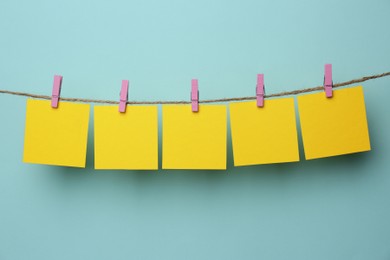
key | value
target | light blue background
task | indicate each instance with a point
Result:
(335, 208)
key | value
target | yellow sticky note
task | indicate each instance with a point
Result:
(334, 126)
(56, 136)
(127, 141)
(194, 140)
(264, 135)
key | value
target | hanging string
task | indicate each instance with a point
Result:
(219, 100)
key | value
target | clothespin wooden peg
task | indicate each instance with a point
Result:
(124, 96)
(260, 90)
(55, 96)
(328, 81)
(194, 95)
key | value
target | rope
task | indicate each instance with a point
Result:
(280, 94)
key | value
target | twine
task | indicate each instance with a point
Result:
(218, 100)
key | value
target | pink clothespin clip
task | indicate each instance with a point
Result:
(328, 81)
(124, 96)
(194, 95)
(55, 96)
(260, 92)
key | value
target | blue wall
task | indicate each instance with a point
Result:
(335, 208)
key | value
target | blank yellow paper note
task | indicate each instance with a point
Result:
(334, 126)
(127, 141)
(194, 140)
(264, 135)
(56, 136)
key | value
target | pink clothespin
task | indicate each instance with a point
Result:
(55, 96)
(194, 95)
(328, 81)
(124, 96)
(260, 92)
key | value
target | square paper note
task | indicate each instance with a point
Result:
(56, 136)
(334, 126)
(127, 140)
(194, 140)
(264, 134)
